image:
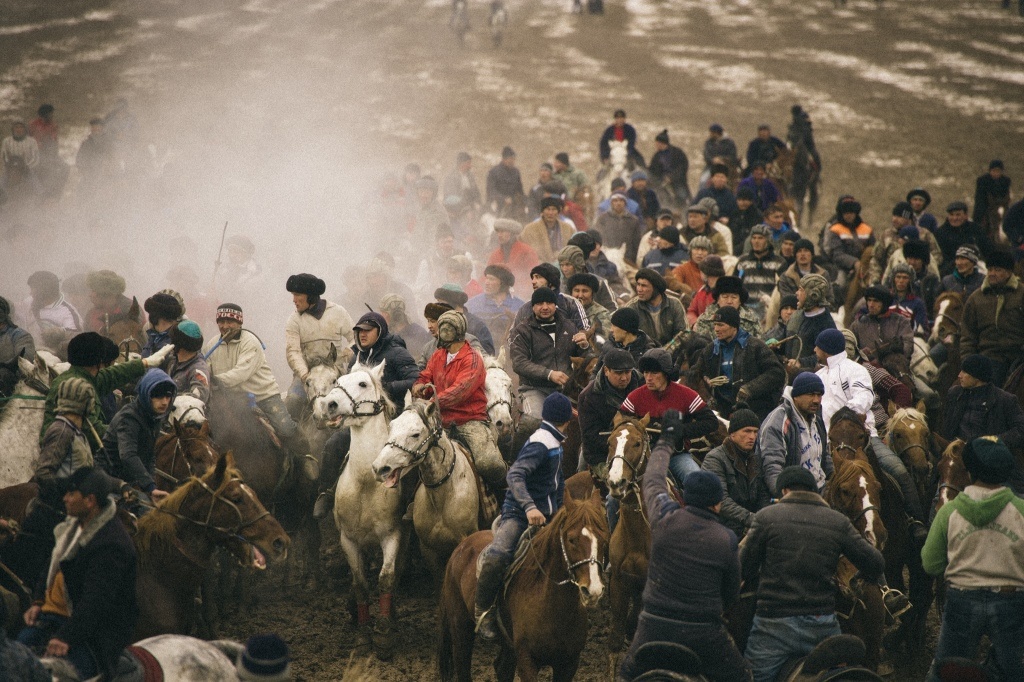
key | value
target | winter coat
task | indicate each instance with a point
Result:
(155, 341)
(535, 235)
(698, 419)
(520, 260)
(795, 546)
(16, 342)
(621, 229)
(400, 372)
(241, 364)
(718, 245)
(913, 309)
(600, 320)
(504, 182)
(807, 329)
(760, 273)
(702, 298)
(192, 377)
(628, 134)
(986, 411)
(535, 354)
(640, 345)
(881, 259)
(749, 322)
(572, 178)
(99, 581)
(598, 404)
(952, 238)
(778, 442)
(743, 482)
(740, 225)
(663, 325)
(689, 274)
(965, 286)
(64, 450)
(873, 332)
(993, 322)
(664, 261)
(766, 194)
(458, 385)
(844, 244)
(724, 197)
(723, 148)
(310, 334)
(105, 382)
(755, 368)
(693, 572)
(128, 445)
(535, 479)
(648, 201)
(572, 308)
(670, 163)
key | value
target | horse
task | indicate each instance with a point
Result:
(186, 451)
(125, 329)
(367, 514)
(177, 657)
(22, 419)
(499, 394)
(910, 438)
(323, 372)
(176, 541)
(948, 312)
(446, 508)
(855, 491)
(805, 181)
(187, 409)
(952, 477)
(579, 377)
(629, 549)
(921, 364)
(543, 608)
(619, 166)
(855, 286)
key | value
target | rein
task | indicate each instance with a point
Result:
(188, 465)
(570, 566)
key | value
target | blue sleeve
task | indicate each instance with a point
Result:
(529, 460)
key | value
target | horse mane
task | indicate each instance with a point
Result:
(547, 542)
(904, 414)
(390, 409)
(157, 530)
(318, 361)
(845, 413)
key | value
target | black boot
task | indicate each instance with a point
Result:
(332, 463)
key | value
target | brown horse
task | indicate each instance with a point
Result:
(126, 329)
(948, 314)
(185, 452)
(629, 550)
(543, 611)
(855, 491)
(911, 440)
(176, 541)
(952, 478)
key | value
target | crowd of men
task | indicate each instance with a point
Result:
(728, 301)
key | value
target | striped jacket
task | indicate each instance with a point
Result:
(847, 384)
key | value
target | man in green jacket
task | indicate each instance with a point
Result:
(85, 353)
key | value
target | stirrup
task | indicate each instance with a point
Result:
(895, 602)
(324, 503)
(485, 624)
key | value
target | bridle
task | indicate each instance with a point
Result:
(572, 566)
(178, 449)
(235, 532)
(423, 449)
(378, 404)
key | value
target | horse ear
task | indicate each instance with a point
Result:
(332, 356)
(921, 407)
(378, 371)
(501, 356)
(617, 419)
(645, 420)
(891, 408)
(576, 362)
(204, 429)
(431, 408)
(226, 460)
(134, 311)
(41, 364)
(177, 427)
(939, 444)
(569, 502)
(26, 367)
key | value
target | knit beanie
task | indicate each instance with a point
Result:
(627, 319)
(903, 210)
(451, 328)
(795, 477)
(788, 301)
(701, 242)
(702, 489)
(230, 311)
(727, 315)
(652, 276)
(803, 244)
(831, 341)
(264, 659)
(557, 409)
(186, 335)
(75, 396)
(978, 366)
(669, 233)
(543, 295)
(988, 460)
(969, 252)
(585, 241)
(909, 232)
(742, 419)
(808, 382)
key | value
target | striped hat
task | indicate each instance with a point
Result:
(231, 311)
(75, 396)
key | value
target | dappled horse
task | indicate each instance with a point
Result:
(543, 609)
(22, 420)
(176, 541)
(629, 549)
(177, 657)
(446, 508)
(367, 514)
(323, 372)
(855, 491)
(499, 394)
(619, 166)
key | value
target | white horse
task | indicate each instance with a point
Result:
(368, 515)
(22, 419)
(187, 409)
(921, 364)
(618, 167)
(323, 373)
(499, 394)
(445, 509)
(181, 658)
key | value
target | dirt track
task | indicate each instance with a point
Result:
(286, 113)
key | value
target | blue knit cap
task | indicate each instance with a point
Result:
(809, 382)
(557, 409)
(831, 341)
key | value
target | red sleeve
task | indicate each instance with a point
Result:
(430, 371)
(468, 376)
(691, 399)
(632, 404)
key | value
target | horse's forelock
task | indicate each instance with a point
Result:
(845, 413)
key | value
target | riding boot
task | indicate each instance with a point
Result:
(335, 457)
(492, 574)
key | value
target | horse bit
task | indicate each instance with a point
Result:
(378, 404)
(424, 448)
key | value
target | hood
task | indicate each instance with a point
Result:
(147, 383)
(365, 355)
(980, 506)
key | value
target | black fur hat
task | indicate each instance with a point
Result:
(162, 307)
(305, 283)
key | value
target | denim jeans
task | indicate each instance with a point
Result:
(968, 615)
(773, 641)
(680, 464)
(496, 558)
(720, 658)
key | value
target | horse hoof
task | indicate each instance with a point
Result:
(364, 642)
(885, 668)
(384, 638)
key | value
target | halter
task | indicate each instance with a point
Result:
(949, 486)
(126, 345)
(844, 446)
(864, 511)
(378, 404)
(636, 477)
(571, 567)
(424, 448)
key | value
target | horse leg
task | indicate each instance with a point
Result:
(505, 664)
(384, 632)
(526, 667)
(618, 600)
(565, 670)
(360, 593)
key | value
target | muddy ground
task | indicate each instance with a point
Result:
(282, 116)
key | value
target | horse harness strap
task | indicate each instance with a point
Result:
(378, 404)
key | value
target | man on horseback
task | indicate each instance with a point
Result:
(792, 549)
(719, 148)
(86, 353)
(15, 342)
(600, 401)
(993, 322)
(454, 378)
(549, 233)
(845, 241)
(497, 306)
(766, 192)
(764, 148)
(619, 131)
(505, 193)
(548, 276)
(85, 605)
(187, 367)
(738, 467)
(661, 316)
(881, 330)
(106, 292)
(315, 325)
(688, 541)
(661, 393)
(619, 226)
(164, 312)
(128, 445)
(669, 167)
(49, 307)
(573, 178)
(535, 490)
(965, 278)
(847, 384)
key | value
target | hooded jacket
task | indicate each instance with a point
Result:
(128, 445)
(977, 540)
(598, 404)
(993, 321)
(874, 331)
(401, 370)
(779, 442)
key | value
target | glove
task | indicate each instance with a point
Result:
(743, 395)
(231, 335)
(157, 358)
(718, 381)
(671, 428)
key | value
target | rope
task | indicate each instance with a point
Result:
(19, 396)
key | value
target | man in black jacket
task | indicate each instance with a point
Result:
(668, 169)
(740, 368)
(739, 469)
(95, 558)
(958, 231)
(977, 408)
(600, 401)
(688, 541)
(794, 547)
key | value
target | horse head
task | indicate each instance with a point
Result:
(581, 530)
(125, 329)
(186, 452)
(910, 439)
(855, 491)
(949, 310)
(579, 377)
(618, 156)
(187, 409)
(499, 395)
(847, 431)
(628, 449)
(221, 504)
(323, 372)
(952, 473)
(356, 397)
(35, 374)
(411, 435)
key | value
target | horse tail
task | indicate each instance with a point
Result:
(445, 653)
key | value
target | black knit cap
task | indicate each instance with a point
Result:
(86, 350)
(305, 283)
(584, 241)
(543, 295)
(795, 477)
(669, 233)
(659, 360)
(988, 460)
(627, 319)
(727, 315)
(978, 366)
(742, 419)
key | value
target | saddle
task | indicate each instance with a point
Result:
(488, 509)
(138, 665)
(836, 658)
